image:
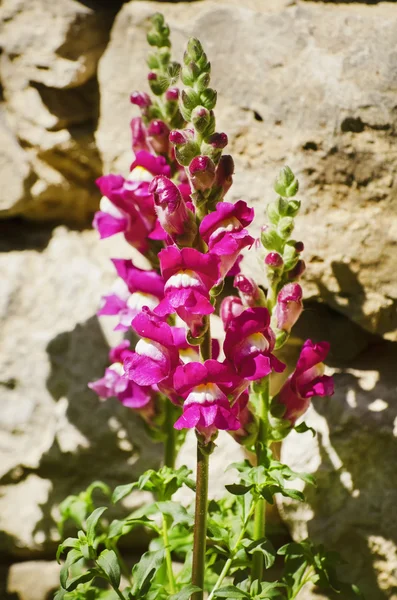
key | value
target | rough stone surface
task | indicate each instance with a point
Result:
(24, 583)
(353, 457)
(314, 88)
(48, 73)
(56, 437)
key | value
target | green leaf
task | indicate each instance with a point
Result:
(294, 494)
(122, 491)
(302, 428)
(60, 595)
(266, 548)
(107, 560)
(92, 522)
(185, 593)
(82, 578)
(292, 549)
(231, 591)
(68, 543)
(144, 571)
(271, 590)
(238, 490)
(177, 512)
(73, 556)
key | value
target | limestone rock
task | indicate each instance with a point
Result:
(353, 457)
(48, 73)
(56, 437)
(294, 86)
(33, 580)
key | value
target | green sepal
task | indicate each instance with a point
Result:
(286, 184)
(303, 428)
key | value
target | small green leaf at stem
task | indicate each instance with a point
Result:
(302, 428)
(231, 591)
(185, 593)
(122, 491)
(92, 522)
(107, 560)
(144, 571)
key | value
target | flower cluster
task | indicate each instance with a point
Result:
(171, 209)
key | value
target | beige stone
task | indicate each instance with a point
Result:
(33, 580)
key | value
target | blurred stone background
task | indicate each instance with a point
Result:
(310, 84)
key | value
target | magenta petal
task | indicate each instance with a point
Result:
(321, 386)
(190, 418)
(144, 370)
(135, 396)
(150, 326)
(311, 354)
(112, 305)
(107, 225)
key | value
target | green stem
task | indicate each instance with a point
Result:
(260, 510)
(229, 561)
(168, 560)
(200, 521)
(170, 440)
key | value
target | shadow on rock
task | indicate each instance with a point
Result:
(95, 440)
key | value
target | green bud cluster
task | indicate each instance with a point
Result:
(198, 100)
(281, 214)
(163, 72)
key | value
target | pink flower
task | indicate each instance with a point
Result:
(205, 388)
(158, 133)
(189, 275)
(174, 216)
(142, 288)
(248, 431)
(115, 384)
(202, 173)
(289, 306)
(223, 231)
(156, 355)
(306, 381)
(249, 342)
(139, 135)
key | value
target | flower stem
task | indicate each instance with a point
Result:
(170, 440)
(229, 561)
(260, 510)
(168, 560)
(200, 521)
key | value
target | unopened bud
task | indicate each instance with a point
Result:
(299, 246)
(171, 209)
(274, 260)
(224, 173)
(203, 119)
(158, 134)
(297, 271)
(231, 307)
(202, 173)
(249, 292)
(289, 306)
(270, 239)
(185, 153)
(172, 95)
(208, 98)
(217, 140)
(285, 227)
(140, 99)
(286, 183)
(293, 208)
(139, 138)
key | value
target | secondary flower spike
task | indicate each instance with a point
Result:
(224, 232)
(249, 342)
(306, 381)
(189, 275)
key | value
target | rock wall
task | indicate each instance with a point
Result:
(311, 84)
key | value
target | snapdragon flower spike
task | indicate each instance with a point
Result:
(142, 288)
(249, 342)
(115, 384)
(174, 216)
(224, 232)
(189, 275)
(308, 380)
(289, 306)
(205, 388)
(156, 354)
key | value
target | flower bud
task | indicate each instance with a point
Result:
(139, 135)
(172, 212)
(290, 256)
(179, 137)
(158, 134)
(201, 118)
(231, 307)
(185, 153)
(286, 183)
(208, 98)
(202, 173)
(289, 306)
(172, 95)
(270, 239)
(293, 208)
(218, 140)
(140, 99)
(285, 227)
(249, 292)
(224, 173)
(299, 246)
(274, 260)
(297, 271)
